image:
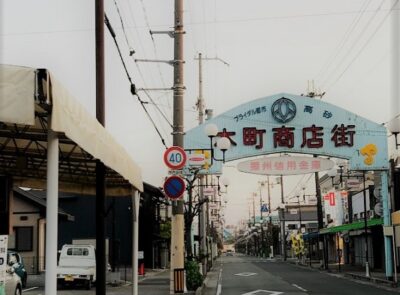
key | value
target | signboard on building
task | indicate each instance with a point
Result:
(353, 183)
(208, 191)
(3, 262)
(196, 159)
(140, 254)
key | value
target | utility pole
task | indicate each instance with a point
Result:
(100, 168)
(283, 231)
(367, 272)
(261, 221)
(204, 206)
(203, 211)
(269, 200)
(177, 223)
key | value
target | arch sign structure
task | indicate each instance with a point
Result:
(286, 123)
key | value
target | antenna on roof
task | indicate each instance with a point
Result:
(312, 92)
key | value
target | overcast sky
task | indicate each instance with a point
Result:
(271, 46)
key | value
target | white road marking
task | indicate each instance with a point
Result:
(30, 289)
(219, 288)
(263, 291)
(246, 274)
(300, 288)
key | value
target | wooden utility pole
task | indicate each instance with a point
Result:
(100, 168)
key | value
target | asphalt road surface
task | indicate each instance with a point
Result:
(243, 275)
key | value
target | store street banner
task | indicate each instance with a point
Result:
(286, 123)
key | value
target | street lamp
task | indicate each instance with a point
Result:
(223, 143)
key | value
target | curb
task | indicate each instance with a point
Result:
(371, 279)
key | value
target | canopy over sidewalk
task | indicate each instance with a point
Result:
(351, 226)
(27, 99)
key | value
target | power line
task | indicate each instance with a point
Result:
(153, 42)
(142, 48)
(132, 86)
(199, 23)
(363, 47)
(353, 45)
(131, 51)
(139, 70)
(344, 39)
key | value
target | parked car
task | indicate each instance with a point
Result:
(77, 265)
(13, 282)
(14, 259)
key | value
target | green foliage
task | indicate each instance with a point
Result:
(165, 229)
(194, 279)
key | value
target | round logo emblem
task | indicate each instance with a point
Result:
(283, 110)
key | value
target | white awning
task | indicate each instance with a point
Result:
(24, 100)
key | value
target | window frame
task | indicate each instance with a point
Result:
(17, 233)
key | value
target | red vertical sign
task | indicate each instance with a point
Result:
(332, 201)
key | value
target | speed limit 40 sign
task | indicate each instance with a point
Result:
(175, 157)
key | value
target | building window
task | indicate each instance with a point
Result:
(23, 238)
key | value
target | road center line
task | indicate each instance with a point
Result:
(300, 288)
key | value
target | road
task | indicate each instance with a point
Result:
(243, 275)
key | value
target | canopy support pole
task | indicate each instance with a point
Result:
(51, 214)
(387, 222)
(135, 240)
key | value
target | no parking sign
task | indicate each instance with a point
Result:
(174, 187)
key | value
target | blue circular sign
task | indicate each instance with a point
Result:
(283, 110)
(174, 187)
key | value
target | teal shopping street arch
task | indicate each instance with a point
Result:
(285, 123)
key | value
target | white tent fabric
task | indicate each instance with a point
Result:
(17, 89)
(17, 104)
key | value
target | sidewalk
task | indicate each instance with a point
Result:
(157, 283)
(154, 282)
(210, 284)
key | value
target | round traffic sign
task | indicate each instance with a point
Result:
(175, 157)
(174, 187)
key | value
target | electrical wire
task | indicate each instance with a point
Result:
(344, 39)
(143, 50)
(140, 73)
(198, 23)
(153, 42)
(363, 47)
(133, 87)
(123, 27)
(356, 41)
